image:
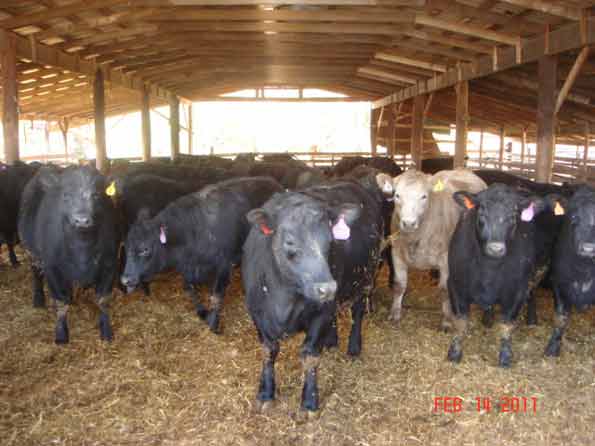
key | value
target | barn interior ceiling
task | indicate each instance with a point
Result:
(373, 50)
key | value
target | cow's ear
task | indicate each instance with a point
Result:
(557, 204)
(531, 207)
(385, 184)
(343, 217)
(465, 199)
(261, 220)
(48, 177)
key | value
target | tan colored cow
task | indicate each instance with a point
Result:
(425, 217)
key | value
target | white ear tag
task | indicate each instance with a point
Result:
(341, 230)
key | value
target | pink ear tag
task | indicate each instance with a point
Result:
(528, 213)
(340, 230)
(162, 236)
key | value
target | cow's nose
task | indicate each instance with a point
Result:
(326, 290)
(82, 221)
(408, 225)
(588, 248)
(496, 249)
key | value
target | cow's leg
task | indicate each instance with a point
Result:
(61, 291)
(266, 387)
(460, 308)
(447, 314)
(487, 319)
(358, 309)
(11, 254)
(105, 327)
(37, 281)
(531, 309)
(192, 291)
(310, 355)
(399, 288)
(507, 326)
(331, 337)
(561, 320)
(222, 279)
(387, 254)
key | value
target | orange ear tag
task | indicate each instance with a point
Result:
(468, 203)
(558, 209)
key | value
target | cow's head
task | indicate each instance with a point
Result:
(300, 230)
(145, 243)
(82, 192)
(580, 219)
(411, 192)
(499, 211)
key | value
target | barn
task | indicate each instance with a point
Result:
(439, 78)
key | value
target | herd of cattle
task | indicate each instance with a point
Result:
(308, 241)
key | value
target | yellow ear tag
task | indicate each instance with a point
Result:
(558, 209)
(111, 189)
(439, 186)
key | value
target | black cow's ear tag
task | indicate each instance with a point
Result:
(265, 229)
(558, 209)
(162, 235)
(341, 230)
(528, 213)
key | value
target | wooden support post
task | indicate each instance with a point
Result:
(374, 114)
(99, 115)
(417, 130)
(586, 153)
(523, 148)
(64, 124)
(46, 135)
(481, 148)
(10, 110)
(190, 130)
(501, 152)
(146, 122)
(389, 116)
(546, 119)
(462, 90)
(174, 124)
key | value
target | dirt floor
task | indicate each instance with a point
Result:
(166, 380)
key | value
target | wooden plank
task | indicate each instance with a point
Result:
(548, 7)
(471, 30)
(99, 118)
(61, 11)
(374, 115)
(586, 151)
(462, 90)
(563, 39)
(501, 150)
(174, 124)
(410, 3)
(410, 61)
(146, 123)
(546, 118)
(381, 74)
(10, 112)
(190, 128)
(569, 82)
(417, 130)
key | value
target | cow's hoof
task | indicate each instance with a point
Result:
(213, 322)
(305, 415)
(105, 328)
(445, 326)
(532, 321)
(264, 406)
(455, 354)
(39, 302)
(505, 359)
(487, 320)
(552, 349)
(62, 336)
(354, 351)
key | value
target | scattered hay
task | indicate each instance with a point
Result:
(166, 380)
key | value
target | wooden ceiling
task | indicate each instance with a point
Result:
(199, 49)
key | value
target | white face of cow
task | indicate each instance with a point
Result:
(412, 198)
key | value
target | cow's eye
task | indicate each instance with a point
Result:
(397, 197)
(424, 197)
(144, 252)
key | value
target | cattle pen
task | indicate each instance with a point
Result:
(505, 85)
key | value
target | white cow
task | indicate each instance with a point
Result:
(423, 222)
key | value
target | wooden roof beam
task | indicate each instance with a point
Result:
(411, 3)
(556, 8)
(63, 11)
(563, 39)
(471, 30)
(409, 61)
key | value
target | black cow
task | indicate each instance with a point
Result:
(349, 163)
(200, 236)
(68, 224)
(307, 253)
(573, 263)
(494, 258)
(491, 176)
(12, 182)
(434, 165)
